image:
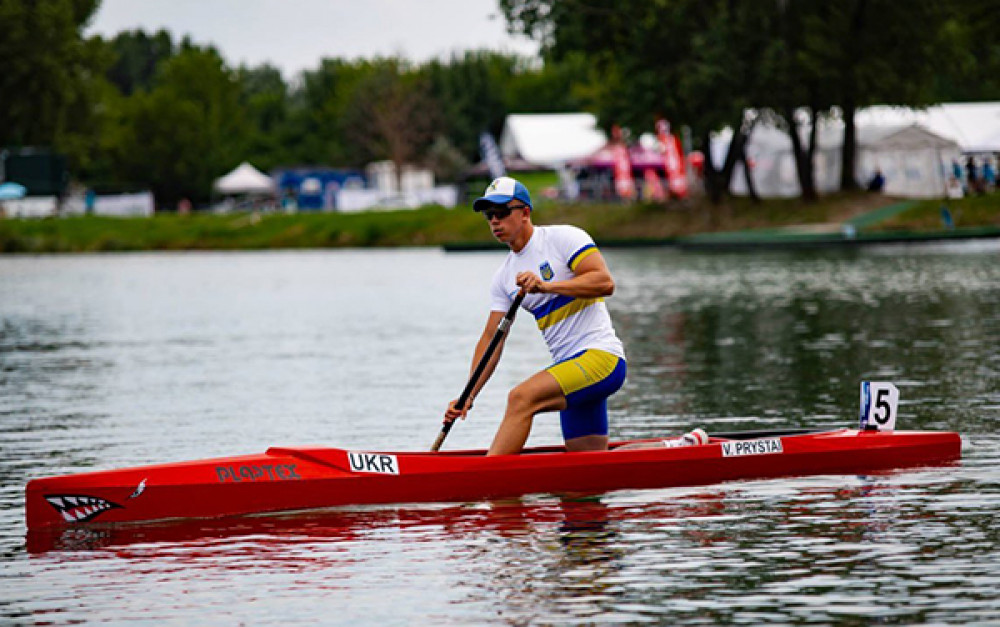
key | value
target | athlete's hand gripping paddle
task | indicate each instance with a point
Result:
(502, 329)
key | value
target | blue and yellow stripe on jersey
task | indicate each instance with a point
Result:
(557, 309)
(580, 255)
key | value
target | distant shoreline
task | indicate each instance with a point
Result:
(840, 220)
(737, 244)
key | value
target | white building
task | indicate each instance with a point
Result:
(415, 188)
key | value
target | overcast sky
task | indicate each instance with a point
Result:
(294, 35)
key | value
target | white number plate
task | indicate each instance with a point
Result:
(878, 405)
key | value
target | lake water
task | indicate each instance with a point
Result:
(117, 360)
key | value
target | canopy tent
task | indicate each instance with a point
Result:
(769, 151)
(593, 176)
(551, 139)
(913, 159)
(245, 179)
(974, 126)
(986, 144)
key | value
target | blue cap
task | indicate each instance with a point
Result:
(500, 192)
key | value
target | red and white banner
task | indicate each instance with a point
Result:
(653, 189)
(624, 183)
(673, 162)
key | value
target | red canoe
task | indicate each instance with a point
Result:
(290, 479)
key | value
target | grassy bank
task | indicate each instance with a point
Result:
(965, 212)
(435, 226)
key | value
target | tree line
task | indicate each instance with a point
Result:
(707, 63)
(145, 110)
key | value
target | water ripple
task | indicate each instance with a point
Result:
(116, 360)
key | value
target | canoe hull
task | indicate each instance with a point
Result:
(289, 479)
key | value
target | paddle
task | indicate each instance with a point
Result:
(502, 329)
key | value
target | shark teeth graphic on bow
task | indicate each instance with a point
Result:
(78, 507)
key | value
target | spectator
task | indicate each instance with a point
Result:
(946, 218)
(958, 173)
(877, 181)
(955, 189)
(970, 171)
(989, 175)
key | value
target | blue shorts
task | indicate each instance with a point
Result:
(588, 379)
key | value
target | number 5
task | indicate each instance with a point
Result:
(881, 402)
(880, 415)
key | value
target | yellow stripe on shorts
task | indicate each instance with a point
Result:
(589, 368)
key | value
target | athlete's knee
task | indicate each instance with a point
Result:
(520, 400)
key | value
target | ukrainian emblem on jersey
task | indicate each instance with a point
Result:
(546, 271)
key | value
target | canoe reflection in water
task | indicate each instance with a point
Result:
(580, 523)
(573, 517)
(553, 559)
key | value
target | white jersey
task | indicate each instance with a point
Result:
(569, 325)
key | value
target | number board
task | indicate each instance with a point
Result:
(879, 401)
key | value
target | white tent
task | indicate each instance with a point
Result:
(913, 159)
(986, 144)
(245, 179)
(551, 139)
(975, 126)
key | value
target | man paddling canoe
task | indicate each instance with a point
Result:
(564, 279)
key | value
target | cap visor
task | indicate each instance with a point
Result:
(484, 203)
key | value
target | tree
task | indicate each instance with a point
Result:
(476, 91)
(89, 117)
(447, 163)
(689, 61)
(188, 130)
(392, 116)
(881, 52)
(138, 58)
(265, 101)
(703, 62)
(969, 69)
(315, 131)
(795, 88)
(44, 70)
(472, 91)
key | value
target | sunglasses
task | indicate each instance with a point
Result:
(501, 213)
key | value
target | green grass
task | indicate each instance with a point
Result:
(973, 211)
(433, 226)
(237, 231)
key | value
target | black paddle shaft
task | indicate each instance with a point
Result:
(502, 329)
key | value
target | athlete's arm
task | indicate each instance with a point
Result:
(592, 280)
(484, 341)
